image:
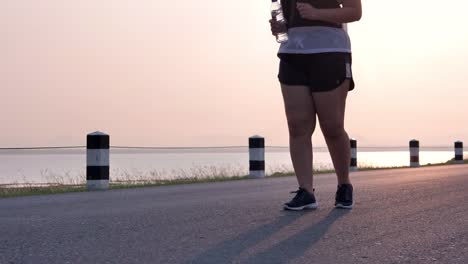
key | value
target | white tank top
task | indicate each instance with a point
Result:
(316, 39)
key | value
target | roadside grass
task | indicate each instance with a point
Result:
(128, 179)
(26, 190)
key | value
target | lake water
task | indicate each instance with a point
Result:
(69, 165)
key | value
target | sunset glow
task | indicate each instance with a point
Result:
(203, 73)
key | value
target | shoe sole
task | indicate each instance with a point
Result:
(308, 206)
(340, 206)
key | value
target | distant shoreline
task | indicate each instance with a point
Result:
(82, 151)
(28, 190)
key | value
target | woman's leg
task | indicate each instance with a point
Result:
(301, 117)
(330, 107)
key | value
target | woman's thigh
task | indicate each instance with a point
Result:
(300, 109)
(330, 107)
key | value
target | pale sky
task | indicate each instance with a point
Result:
(204, 73)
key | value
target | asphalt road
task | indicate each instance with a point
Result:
(401, 216)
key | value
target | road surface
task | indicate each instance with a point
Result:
(417, 215)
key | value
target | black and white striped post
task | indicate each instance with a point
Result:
(414, 153)
(257, 156)
(458, 152)
(97, 161)
(353, 163)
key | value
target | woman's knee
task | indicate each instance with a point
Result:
(301, 127)
(333, 130)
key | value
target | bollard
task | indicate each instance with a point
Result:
(353, 164)
(414, 153)
(459, 152)
(97, 161)
(257, 156)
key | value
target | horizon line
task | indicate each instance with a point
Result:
(193, 147)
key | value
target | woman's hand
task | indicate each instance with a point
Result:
(307, 11)
(277, 27)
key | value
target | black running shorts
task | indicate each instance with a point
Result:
(321, 72)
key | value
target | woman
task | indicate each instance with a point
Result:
(315, 77)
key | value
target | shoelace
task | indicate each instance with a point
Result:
(301, 190)
(297, 191)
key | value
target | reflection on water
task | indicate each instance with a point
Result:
(401, 158)
(70, 166)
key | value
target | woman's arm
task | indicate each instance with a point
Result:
(350, 12)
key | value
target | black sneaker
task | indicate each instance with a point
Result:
(302, 200)
(344, 196)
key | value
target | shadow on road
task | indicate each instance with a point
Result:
(229, 250)
(295, 246)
